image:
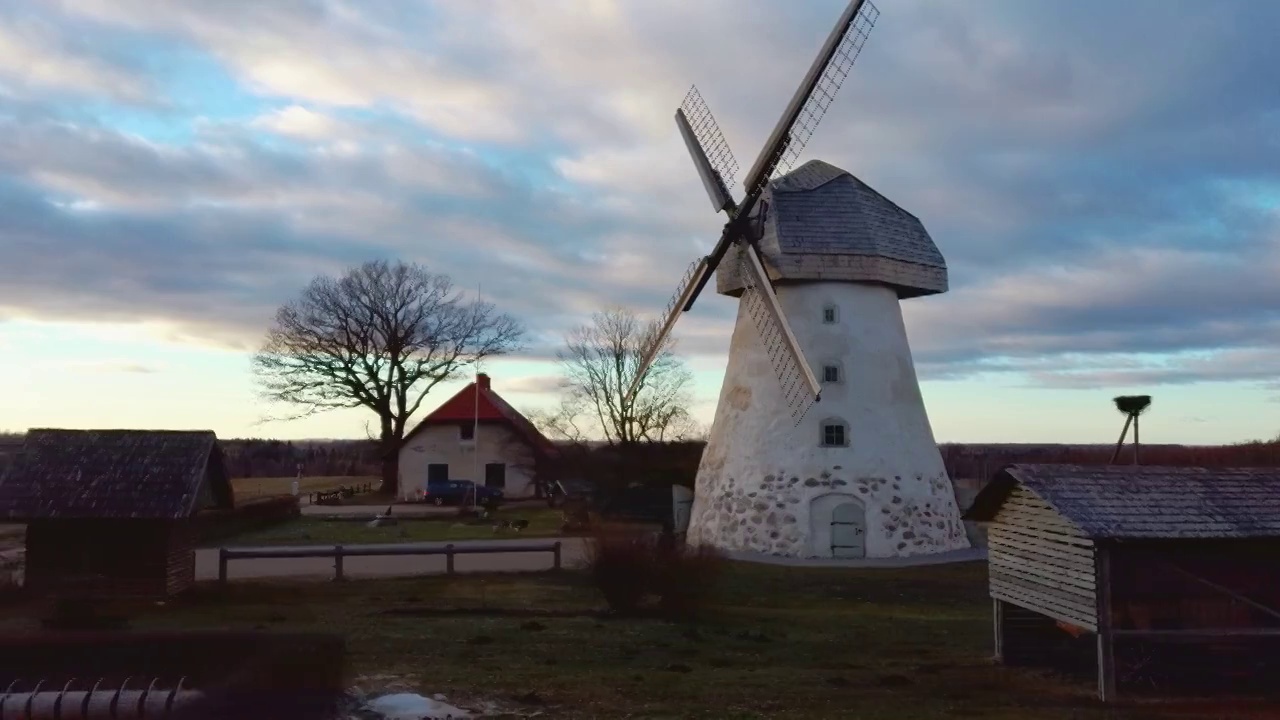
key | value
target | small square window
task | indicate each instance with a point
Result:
(831, 373)
(833, 435)
(466, 432)
(829, 314)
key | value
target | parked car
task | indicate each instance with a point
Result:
(459, 492)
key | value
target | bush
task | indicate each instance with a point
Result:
(630, 565)
(251, 515)
(685, 579)
(620, 562)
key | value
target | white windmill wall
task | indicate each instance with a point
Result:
(768, 486)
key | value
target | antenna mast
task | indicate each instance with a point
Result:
(475, 427)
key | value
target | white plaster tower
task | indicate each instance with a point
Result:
(821, 446)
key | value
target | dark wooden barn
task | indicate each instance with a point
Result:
(1148, 577)
(109, 512)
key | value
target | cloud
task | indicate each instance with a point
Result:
(39, 55)
(529, 384)
(1106, 205)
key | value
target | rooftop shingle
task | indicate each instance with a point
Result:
(1132, 502)
(153, 474)
(818, 216)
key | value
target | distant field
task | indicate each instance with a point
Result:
(247, 488)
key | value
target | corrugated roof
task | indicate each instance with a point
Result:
(1118, 501)
(153, 474)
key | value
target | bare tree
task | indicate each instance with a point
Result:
(381, 337)
(565, 421)
(602, 358)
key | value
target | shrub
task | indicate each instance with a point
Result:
(251, 515)
(630, 565)
(620, 563)
(686, 578)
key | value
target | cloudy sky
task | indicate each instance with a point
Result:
(1103, 179)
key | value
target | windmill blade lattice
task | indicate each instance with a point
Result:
(707, 130)
(833, 77)
(675, 306)
(786, 365)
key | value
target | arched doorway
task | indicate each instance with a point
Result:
(838, 526)
(848, 531)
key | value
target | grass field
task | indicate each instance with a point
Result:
(543, 522)
(910, 644)
(248, 488)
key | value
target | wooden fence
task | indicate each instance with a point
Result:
(338, 552)
(328, 497)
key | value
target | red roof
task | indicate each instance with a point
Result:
(464, 407)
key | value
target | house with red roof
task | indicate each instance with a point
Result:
(475, 435)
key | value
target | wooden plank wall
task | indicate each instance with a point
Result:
(1039, 561)
(180, 558)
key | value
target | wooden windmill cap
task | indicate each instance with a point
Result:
(820, 222)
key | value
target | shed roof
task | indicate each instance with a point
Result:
(144, 474)
(1133, 502)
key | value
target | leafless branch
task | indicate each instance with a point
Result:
(382, 336)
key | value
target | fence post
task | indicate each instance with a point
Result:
(448, 558)
(222, 565)
(337, 562)
(556, 550)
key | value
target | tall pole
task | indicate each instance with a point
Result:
(475, 428)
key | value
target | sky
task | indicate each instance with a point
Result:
(1102, 178)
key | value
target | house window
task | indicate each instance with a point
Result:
(829, 314)
(830, 373)
(835, 433)
(466, 433)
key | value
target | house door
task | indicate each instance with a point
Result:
(495, 475)
(438, 472)
(848, 531)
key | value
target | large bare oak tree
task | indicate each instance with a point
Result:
(381, 336)
(600, 360)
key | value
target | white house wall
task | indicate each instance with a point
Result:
(440, 444)
(760, 475)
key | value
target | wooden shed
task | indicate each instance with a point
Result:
(109, 512)
(1148, 577)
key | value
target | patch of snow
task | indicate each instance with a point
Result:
(412, 706)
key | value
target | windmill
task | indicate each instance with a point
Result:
(819, 261)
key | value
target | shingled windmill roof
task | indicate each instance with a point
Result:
(1132, 502)
(145, 474)
(821, 223)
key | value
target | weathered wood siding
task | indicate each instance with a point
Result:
(1039, 561)
(117, 558)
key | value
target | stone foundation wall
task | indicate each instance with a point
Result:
(771, 514)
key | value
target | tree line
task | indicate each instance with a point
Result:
(384, 334)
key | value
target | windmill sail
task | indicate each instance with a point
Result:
(716, 167)
(706, 144)
(799, 385)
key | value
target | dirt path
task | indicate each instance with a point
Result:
(572, 552)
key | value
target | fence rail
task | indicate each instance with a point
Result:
(321, 497)
(338, 552)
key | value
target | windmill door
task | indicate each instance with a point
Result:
(848, 531)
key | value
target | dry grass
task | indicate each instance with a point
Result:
(909, 644)
(246, 488)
